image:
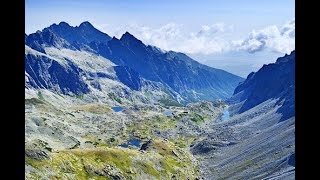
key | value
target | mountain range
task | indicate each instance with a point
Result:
(185, 79)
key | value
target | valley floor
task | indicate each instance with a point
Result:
(80, 138)
(71, 138)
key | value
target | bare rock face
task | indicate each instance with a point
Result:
(49, 74)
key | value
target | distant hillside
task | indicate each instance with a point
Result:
(272, 81)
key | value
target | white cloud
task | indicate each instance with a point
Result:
(276, 39)
(209, 39)
(208, 30)
(174, 37)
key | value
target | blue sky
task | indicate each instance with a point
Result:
(211, 31)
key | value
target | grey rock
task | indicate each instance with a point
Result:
(37, 154)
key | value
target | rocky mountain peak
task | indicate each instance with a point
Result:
(129, 38)
(45, 38)
(64, 24)
(86, 24)
(85, 33)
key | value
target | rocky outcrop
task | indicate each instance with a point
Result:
(37, 154)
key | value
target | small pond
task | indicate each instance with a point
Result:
(225, 114)
(132, 142)
(117, 108)
(168, 112)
